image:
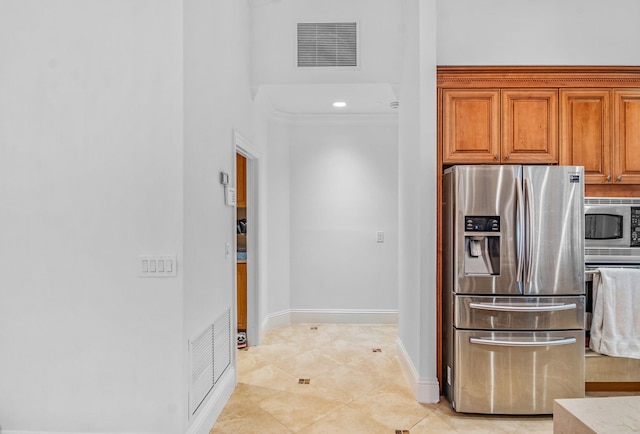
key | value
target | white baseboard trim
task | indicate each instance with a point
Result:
(330, 316)
(4, 431)
(425, 391)
(207, 415)
(276, 320)
(428, 392)
(344, 316)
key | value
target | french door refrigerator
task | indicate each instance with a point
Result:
(513, 287)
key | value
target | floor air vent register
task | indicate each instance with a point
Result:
(210, 356)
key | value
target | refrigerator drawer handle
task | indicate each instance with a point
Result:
(565, 341)
(511, 308)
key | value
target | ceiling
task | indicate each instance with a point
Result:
(361, 98)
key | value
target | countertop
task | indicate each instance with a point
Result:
(617, 414)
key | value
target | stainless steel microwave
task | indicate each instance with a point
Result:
(612, 229)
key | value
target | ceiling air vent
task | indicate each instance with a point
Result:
(327, 44)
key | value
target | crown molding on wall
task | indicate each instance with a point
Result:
(334, 118)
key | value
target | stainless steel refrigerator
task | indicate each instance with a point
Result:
(513, 287)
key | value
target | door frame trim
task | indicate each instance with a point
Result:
(245, 148)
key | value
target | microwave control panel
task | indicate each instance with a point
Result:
(635, 226)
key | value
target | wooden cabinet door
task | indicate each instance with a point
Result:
(585, 132)
(626, 141)
(241, 287)
(530, 126)
(241, 181)
(471, 126)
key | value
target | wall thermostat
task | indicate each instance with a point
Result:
(224, 178)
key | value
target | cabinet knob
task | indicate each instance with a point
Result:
(619, 178)
(608, 178)
(506, 157)
(495, 157)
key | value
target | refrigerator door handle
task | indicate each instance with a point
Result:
(513, 308)
(564, 341)
(529, 207)
(520, 231)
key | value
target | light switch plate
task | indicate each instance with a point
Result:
(157, 266)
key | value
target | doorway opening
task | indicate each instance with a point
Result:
(241, 249)
(247, 243)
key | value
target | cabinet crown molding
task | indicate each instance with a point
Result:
(537, 76)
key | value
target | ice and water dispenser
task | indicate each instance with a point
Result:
(482, 245)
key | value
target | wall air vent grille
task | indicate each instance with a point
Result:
(610, 252)
(327, 45)
(612, 201)
(221, 345)
(210, 356)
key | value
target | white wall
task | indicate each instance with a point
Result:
(542, 32)
(90, 177)
(278, 219)
(417, 199)
(428, 388)
(94, 171)
(343, 189)
(217, 102)
(273, 56)
(409, 191)
(274, 40)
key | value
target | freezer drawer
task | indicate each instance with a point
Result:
(519, 313)
(516, 372)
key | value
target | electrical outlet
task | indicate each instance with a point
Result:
(380, 236)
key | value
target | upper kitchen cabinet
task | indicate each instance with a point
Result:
(600, 130)
(483, 126)
(529, 126)
(585, 132)
(626, 136)
(471, 126)
(568, 115)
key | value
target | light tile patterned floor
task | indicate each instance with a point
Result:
(351, 389)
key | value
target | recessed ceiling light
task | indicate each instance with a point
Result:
(339, 104)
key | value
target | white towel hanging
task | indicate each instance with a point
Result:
(615, 327)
